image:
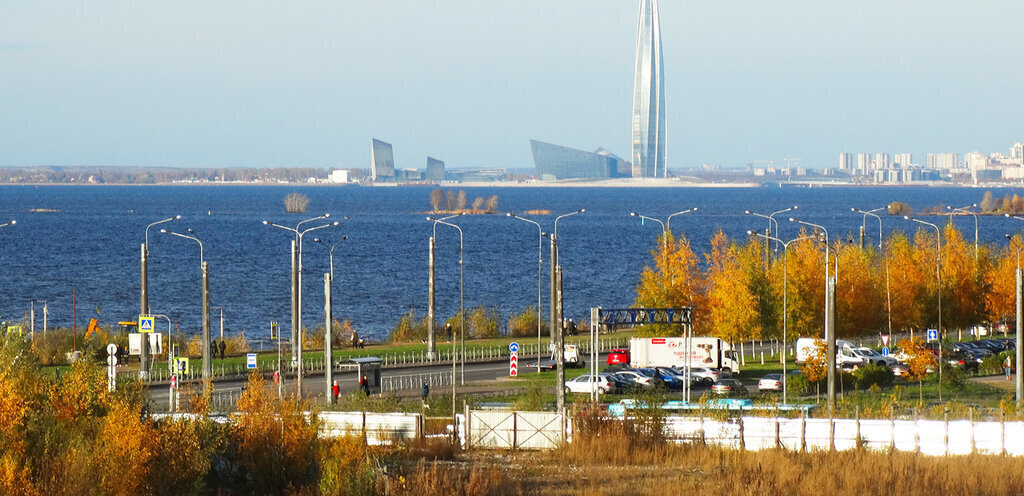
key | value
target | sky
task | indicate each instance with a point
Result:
(258, 83)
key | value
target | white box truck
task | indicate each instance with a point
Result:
(671, 352)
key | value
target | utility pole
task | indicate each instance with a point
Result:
(559, 345)
(328, 342)
(430, 301)
(144, 310)
(830, 339)
(207, 356)
(295, 310)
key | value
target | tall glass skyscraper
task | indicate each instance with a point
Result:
(648, 96)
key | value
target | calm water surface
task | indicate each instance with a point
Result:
(89, 236)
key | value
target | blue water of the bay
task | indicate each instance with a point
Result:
(87, 239)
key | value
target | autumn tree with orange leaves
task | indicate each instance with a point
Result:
(676, 280)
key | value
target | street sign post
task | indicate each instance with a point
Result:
(250, 361)
(933, 335)
(146, 323)
(111, 367)
(181, 365)
(885, 340)
(513, 364)
(513, 347)
(885, 351)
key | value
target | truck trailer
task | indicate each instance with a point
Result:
(705, 352)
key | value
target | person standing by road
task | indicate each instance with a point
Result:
(364, 385)
(335, 392)
(223, 346)
(424, 390)
(1007, 366)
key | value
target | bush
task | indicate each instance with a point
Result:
(954, 377)
(798, 385)
(409, 329)
(993, 364)
(874, 375)
(525, 324)
(484, 322)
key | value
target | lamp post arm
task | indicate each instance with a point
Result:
(176, 217)
(202, 257)
(669, 220)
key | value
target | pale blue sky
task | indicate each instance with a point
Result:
(304, 83)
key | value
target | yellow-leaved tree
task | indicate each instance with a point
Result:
(674, 281)
(733, 310)
(859, 303)
(1000, 300)
(906, 282)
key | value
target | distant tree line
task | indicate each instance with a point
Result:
(450, 201)
(154, 175)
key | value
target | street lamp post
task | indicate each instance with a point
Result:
(205, 268)
(431, 338)
(885, 256)
(785, 299)
(462, 313)
(328, 338)
(1019, 379)
(540, 263)
(830, 338)
(556, 316)
(297, 276)
(144, 296)
(771, 221)
(668, 221)
(966, 211)
(938, 280)
(863, 222)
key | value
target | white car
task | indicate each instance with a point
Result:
(582, 384)
(871, 356)
(770, 382)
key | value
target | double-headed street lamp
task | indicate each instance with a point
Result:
(540, 263)
(864, 223)
(888, 299)
(328, 310)
(430, 288)
(771, 221)
(557, 333)
(144, 298)
(297, 289)
(785, 298)
(830, 338)
(207, 358)
(966, 211)
(938, 281)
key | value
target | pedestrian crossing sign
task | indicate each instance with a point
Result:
(146, 323)
(181, 365)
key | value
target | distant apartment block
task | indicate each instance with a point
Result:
(846, 162)
(881, 161)
(903, 159)
(435, 170)
(560, 162)
(382, 161)
(942, 161)
(863, 163)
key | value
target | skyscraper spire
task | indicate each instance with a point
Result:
(648, 96)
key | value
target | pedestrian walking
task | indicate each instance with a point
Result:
(335, 392)
(1007, 367)
(364, 385)
(223, 347)
(424, 390)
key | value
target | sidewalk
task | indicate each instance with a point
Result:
(997, 381)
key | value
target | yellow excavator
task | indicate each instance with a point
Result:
(123, 328)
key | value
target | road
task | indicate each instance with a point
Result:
(313, 385)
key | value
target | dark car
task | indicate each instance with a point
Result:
(729, 387)
(964, 360)
(669, 380)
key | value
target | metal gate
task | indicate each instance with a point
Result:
(515, 430)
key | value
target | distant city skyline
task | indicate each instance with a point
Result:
(265, 84)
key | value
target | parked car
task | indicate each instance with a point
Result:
(900, 370)
(706, 376)
(967, 361)
(618, 356)
(669, 380)
(729, 387)
(582, 384)
(638, 379)
(770, 382)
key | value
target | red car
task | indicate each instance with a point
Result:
(618, 356)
